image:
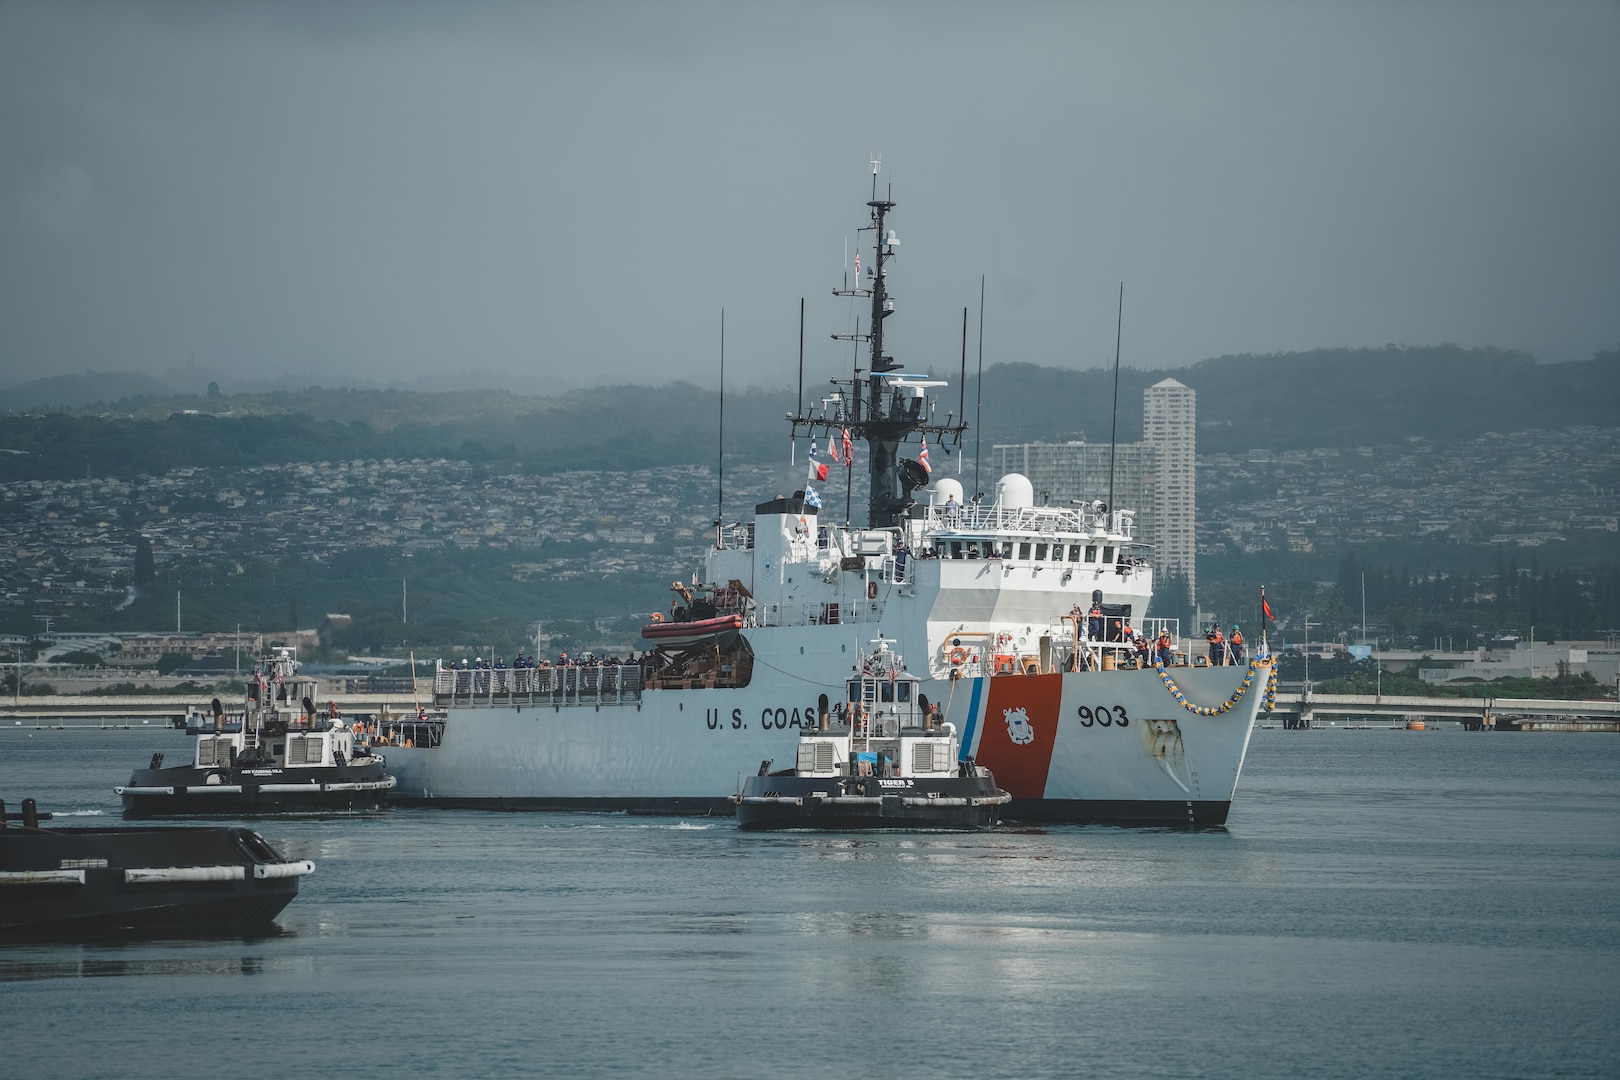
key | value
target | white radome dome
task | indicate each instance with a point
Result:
(1015, 492)
(946, 487)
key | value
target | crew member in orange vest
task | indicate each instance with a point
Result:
(1217, 646)
(1235, 644)
(1166, 649)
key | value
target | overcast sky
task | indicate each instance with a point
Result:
(574, 191)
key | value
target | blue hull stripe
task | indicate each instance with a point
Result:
(972, 721)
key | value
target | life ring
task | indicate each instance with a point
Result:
(658, 616)
(958, 655)
(871, 590)
(359, 729)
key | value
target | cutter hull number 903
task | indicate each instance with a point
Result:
(1103, 716)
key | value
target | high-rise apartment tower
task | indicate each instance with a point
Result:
(1170, 425)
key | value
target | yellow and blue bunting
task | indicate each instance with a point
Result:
(1237, 695)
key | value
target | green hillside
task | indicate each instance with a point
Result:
(1286, 401)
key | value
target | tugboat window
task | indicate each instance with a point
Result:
(1023, 551)
(1040, 552)
(1091, 553)
(1074, 552)
(1108, 554)
(904, 690)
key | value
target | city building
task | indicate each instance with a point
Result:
(1077, 470)
(1156, 477)
(1170, 426)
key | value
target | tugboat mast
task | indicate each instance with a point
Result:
(888, 409)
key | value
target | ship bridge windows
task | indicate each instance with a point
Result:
(1091, 553)
(969, 549)
(1108, 554)
(890, 693)
(1074, 552)
(1023, 551)
(1040, 552)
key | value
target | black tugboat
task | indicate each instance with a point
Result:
(278, 755)
(138, 878)
(882, 760)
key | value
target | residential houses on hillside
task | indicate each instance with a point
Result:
(68, 544)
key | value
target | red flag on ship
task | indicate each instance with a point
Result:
(1265, 607)
(849, 449)
(818, 470)
(832, 450)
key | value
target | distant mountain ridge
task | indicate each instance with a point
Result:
(1329, 397)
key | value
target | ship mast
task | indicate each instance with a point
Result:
(887, 409)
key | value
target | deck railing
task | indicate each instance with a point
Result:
(597, 684)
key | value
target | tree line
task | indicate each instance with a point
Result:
(1338, 397)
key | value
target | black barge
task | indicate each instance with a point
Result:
(101, 880)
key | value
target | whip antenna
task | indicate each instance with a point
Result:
(720, 482)
(1114, 432)
(978, 397)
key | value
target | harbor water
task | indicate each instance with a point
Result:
(1382, 903)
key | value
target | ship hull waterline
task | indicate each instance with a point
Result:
(1113, 747)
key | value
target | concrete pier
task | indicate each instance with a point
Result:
(1475, 714)
(173, 709)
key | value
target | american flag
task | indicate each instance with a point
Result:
(849, 447)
